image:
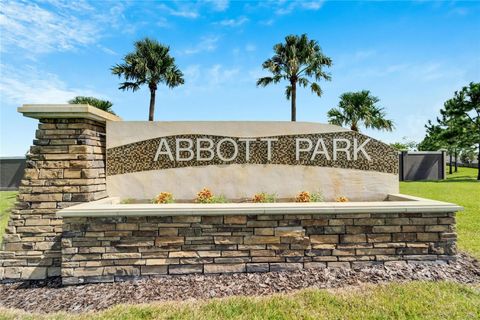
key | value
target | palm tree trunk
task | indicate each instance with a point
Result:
(152, 104)
(294, 100)
(354, 127)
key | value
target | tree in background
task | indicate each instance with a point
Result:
(440, 137)
(464, 108)
(297, 61)
(405, 144)
(451, 135)
(104, 105)
(357, 109)
(150, 64)
(456, 134)
(433, 138)
(468, 155)
(448, 135)
(458, 129)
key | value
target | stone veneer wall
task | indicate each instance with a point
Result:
(65, 166)
(118, 248)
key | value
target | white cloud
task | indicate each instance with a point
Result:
(162, 22)
(418, 71)
(191, 10)
(78, 5)
(192, 73)
(250, 47)
(434, 71)
(285, 10)
(107, 50)
(206, 44)
(30, 85)
(393, 68)
(218, 5)
(116, 17)
(209, 78)
(184, 13)
(364, 54)
(218, 74)
(37, 30)
(233, 22)
(459, 11)
(184, 10)
(312, 5)
(286, 7)
(268, 22)
(254, 74)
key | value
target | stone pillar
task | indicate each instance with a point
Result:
(65, 166)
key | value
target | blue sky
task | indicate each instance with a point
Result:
(412, 55)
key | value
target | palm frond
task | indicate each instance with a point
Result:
(151, 64)
(360, 107)
(265, 81)
(104, 105)
(316, 89)
(336, 117)
(134, 86)
(288, 92)
(303, 82)
(296, 60)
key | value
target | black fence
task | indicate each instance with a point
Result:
(422, 165)
(11, 172)
(467, 165)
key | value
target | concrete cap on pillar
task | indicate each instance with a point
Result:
(66, 111)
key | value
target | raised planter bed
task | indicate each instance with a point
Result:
(105, 241)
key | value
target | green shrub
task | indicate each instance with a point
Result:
(316, 197)
(104, 105)
(127, 201)
(218, 199)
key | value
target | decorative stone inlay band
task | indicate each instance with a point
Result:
(349, 150)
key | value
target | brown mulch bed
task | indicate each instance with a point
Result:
(50, 296)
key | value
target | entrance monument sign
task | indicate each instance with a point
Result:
(70, 220)
(244, 158)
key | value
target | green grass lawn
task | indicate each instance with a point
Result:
(413, 300)
(7, 199)
(463, 189)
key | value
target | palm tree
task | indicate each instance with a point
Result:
(104, 105)
(296, 60)
(149, 64)
(359, 108)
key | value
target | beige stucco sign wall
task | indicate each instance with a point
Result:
(239, 159)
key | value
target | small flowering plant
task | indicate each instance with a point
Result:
(306, 196)
(264, 197)
(204, 196)
(303, 196)
(163, 197)
(207, 196)
(341, 199)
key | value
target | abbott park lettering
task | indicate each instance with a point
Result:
(227, 149)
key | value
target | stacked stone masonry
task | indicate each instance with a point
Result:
(118, 248)
(65, 166)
